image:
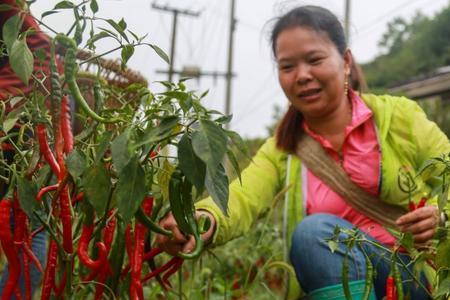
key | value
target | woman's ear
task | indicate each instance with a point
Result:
(348, 61)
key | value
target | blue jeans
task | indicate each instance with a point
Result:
(39, 247)
(317, 267)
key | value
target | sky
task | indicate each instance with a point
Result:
(203, 42)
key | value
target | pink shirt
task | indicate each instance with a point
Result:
(361, 158)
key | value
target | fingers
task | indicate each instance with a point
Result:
(179, 242)
(175, 243)
(422, 223)
(424, 237)
(420, 226)
(417, 215)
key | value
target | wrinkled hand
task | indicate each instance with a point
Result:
(179, 242)
(422, 223)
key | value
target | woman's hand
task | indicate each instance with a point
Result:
(179, 242)
(422, 223)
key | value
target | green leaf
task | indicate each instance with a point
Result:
(11, 119)
(122, 24)
(76, 163)
(120, 151)
(164, 176)
(27, 191)
(443, 254)
(64, 5)
(43, 175)
(21, 60)
(210, 144)
(48, 13)
(162, 131)
(109, 32)
(234, 163)
(160, 53)
(41, 55)
(94, 6)
(184, 99)
(127, 52)
(98, 36)
(444, 288)
(333, 245)
(443, 197)
(131, 189)
(192, 166)
(224, 119)
(11, 30)
(118, 28)
(103, 146)
(97, 186)
(239, 143)
(217, 186)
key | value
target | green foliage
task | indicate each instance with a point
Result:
(410, 49)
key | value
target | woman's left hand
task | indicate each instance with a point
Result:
(422, 223)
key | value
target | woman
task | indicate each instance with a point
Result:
(370, 136)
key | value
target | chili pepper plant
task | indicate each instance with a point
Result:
(431, 260)
(99, 193)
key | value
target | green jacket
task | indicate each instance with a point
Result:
(406, 136)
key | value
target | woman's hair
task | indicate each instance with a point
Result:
(323, 21)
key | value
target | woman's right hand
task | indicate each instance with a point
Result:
(179, 242)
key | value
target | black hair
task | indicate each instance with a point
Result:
(315, 17)
(320, 20)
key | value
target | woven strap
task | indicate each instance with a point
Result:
(332, 174)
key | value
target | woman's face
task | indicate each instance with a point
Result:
(311, 71)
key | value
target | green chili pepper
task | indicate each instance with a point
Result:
(397, 277)
(175, 200)
(150, 224)
(189, 212)
(345, 271)
(70, 71)
(369, 277)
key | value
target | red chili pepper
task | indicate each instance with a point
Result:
(136, 290)
(66, 219)
(7, 241)
(66, 127)
(49, 275)
(83, 253)
(78, 197)
(37, 231)
(176, 266)
(108, 236)
(149, 255)
(7, 147)
(411, 206)
(422, 202)
(20, 238)
(59, 289)
(45, 190)
(27, 250)
(161, 269)
(45, 149)
(390, 288)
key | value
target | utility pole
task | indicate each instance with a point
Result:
(347, 20)
(175, 12)
(229, 75)
(194, 71)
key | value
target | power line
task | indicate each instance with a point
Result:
(379, 20)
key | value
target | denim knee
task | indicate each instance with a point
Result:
(314, 263)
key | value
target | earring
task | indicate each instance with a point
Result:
(346, 86)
